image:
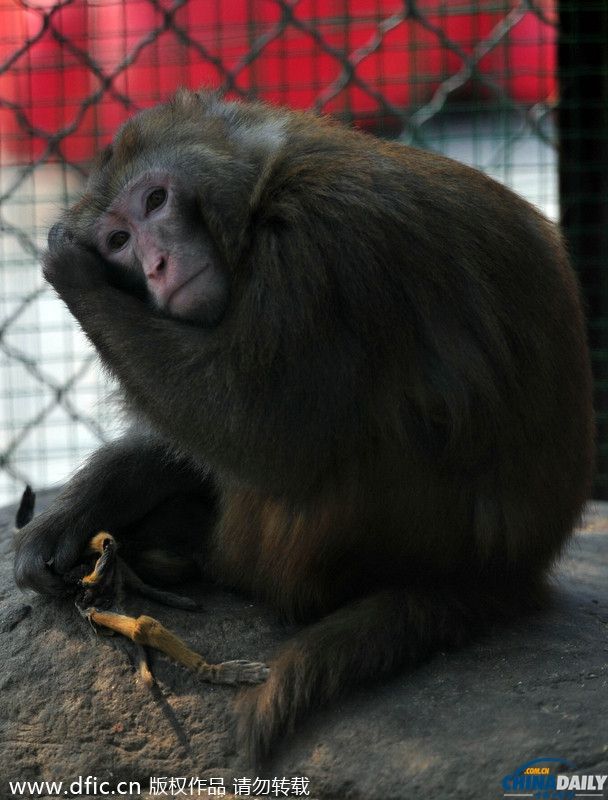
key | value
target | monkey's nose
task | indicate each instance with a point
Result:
(156, 269)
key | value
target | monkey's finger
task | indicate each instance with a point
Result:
(70, 266)
(58, 235)
(33, 571)
(35, 566)
(71, 549)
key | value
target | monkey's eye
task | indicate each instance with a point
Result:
(155, 199)
(117, 240)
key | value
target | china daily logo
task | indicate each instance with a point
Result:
(552, 779)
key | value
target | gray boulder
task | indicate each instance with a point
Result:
(71, 703)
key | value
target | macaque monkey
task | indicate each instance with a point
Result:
(361, 367)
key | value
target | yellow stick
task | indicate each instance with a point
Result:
(149, 632)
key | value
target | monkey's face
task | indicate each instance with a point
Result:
(153, 232)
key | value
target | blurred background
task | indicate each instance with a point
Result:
(518, 88)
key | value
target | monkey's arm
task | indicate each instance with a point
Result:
(204, 390)
(120, 483)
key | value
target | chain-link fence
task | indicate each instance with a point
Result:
(477, 80)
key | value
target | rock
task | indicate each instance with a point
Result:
(71, 704)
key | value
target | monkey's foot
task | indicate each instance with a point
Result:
(149, 632)
(233, 672)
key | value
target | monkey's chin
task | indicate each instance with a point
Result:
(198, 300)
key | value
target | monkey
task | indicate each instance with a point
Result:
(365, 365)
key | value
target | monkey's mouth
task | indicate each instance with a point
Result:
(190, 298)
(188, 294)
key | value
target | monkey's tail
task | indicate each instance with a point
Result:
(362, 640)
(366, 639)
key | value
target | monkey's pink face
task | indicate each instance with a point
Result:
(154, 232)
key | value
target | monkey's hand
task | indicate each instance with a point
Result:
(119, 485)
(46, 549)
(70, 267)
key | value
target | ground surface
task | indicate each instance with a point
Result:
(71, 705)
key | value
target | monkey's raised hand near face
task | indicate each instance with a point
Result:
(374, 354)
(150, 236)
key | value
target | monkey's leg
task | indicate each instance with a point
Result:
(149, 632)
(168, 545)
(121, 482)
(360, 641)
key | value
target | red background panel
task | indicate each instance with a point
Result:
(88, 66)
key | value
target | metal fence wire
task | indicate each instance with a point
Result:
(474, 79)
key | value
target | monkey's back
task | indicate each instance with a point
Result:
(517, 324)
(507, 327)
(460, 424)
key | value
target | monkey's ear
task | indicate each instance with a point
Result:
(102, 159)
(208, 96)
(233, 197)
(188, 103)
(185, 101)
(130, 143)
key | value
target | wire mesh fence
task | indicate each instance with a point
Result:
(476, 80)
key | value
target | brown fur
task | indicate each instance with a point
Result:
(388, 433)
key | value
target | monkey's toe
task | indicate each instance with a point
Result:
(241, 671)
